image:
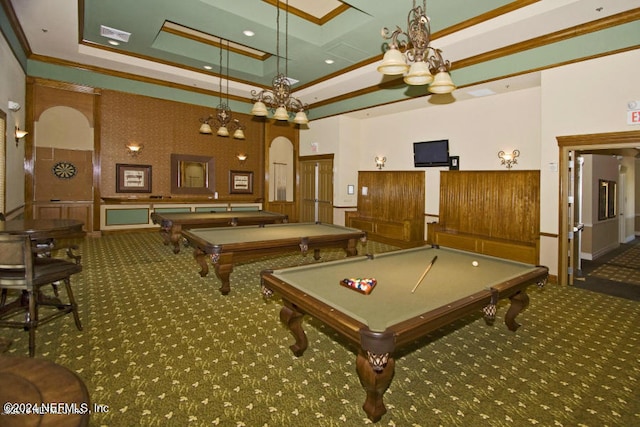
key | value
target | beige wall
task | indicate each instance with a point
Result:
(574, 103)
(569, 102)
(490, 126)
(12, 88)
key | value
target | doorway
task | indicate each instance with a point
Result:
(316, 188)
(569, 146)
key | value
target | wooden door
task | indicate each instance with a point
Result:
(316, 189)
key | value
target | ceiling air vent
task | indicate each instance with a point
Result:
(114, 34)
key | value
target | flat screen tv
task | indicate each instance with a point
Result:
(431, 153)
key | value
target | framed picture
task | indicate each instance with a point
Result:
(133, 178)
(607, 199)
(240, 182)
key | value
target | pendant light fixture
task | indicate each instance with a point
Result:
(411, 55)
(223, 112)
(279, 99)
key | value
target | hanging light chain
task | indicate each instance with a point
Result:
(279, 99)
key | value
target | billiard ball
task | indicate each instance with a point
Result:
(474, 263)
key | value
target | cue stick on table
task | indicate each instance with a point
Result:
(424, 274)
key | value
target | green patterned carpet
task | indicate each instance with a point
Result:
(624, 267)
(162, 347)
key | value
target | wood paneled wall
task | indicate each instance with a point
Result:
(168, 127)
(495, 204)
(392, 195)
(164, 127)
(392, 211)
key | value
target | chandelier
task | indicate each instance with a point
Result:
(223, 112)
(414, 56)
(279, 98)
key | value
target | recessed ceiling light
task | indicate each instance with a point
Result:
(114, 43)
(329, 61)
(248, 33)
(208, 67)
(481, 92)
(114, 34)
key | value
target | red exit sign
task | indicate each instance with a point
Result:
(633, 117)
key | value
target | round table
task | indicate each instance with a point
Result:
(32, 382)
(39, 229)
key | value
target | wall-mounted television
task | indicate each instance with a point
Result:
(431, 153)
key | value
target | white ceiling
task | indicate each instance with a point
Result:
(53, 30)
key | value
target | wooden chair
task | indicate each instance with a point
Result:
(21, 269)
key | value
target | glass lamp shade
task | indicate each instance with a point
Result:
(301, 118)
(134, 148)
(238, 134)
(223, 131)
(393, 63)
(442, 83)
(259, 109)
(418, 74)
(206, 129)
(281, 114)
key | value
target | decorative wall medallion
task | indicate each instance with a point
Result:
(64, 170)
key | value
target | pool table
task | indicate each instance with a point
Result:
(228, 245)
(172, 223)
(392, 316)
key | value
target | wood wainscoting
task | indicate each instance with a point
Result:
(491, 212)
(390, 207)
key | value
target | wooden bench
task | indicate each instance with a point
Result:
(402, 233)
(527, 252)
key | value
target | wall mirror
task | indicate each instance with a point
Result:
(192, 174)
(281, 158)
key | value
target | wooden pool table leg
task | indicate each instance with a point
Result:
(519, 302)
(223, 272)
(292, 318)
(175, 236)
(164, 233)
(352, 247)
(375, 383)
(201, 259)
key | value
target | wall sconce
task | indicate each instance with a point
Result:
(20, 134)
(509, 159)
(241, 157)
(134, 149)
(380, 162)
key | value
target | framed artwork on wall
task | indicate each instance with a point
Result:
(133, 178)
(607, 198)
(240, 182)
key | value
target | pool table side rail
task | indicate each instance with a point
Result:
(278, 245)
(507, 288)
(198, 218)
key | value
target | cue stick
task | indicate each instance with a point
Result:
(424, 274)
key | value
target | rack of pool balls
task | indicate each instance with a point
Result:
(364, 286)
